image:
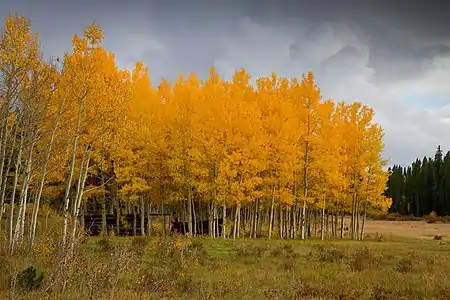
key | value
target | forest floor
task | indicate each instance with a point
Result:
(398, 260)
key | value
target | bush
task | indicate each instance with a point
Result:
(432, 217)
(405, 265)
(330, 253)
(105, 244)
(251, 250)
(30, 279)
(438, 237)
(140, 244)
(363, 259)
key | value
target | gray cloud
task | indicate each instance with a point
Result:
(383, 53)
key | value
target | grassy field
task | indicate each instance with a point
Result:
(398, 260)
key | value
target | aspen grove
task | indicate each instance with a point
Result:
(269, 157)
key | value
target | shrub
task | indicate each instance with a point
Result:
(405, 265)
(438, 237)
(432, 217)
(251, 250)
(140, 243)
(30, 279)
(363, 259)
(105, 244)
(330, 253)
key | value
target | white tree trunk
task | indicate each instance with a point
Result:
(8, 167)
(142, 214)
(23, 199)
(43, 176)
(79, 196)
(66, 199)
(322, 224)
(272, 203)
(224, 210)
(13, 196)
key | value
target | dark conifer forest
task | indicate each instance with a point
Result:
(422, 187)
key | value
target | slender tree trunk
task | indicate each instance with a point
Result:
(333, 225)
(357, 226)
(280, 217)
(244, 220)
(272, 202)
(201, 218)
(315, 222)
(66, 199)
(23, 199)
(189, 210)
(303, 236)
(4, 176)
(3, 142)
(310, 214)
(194, 215)
(354, 233)
(288, 222)
(235, 225)
(142, 214)
(342, 225)
(44, 175)
(251, 217)
(149, 218)
(216, 221)
(322, 225)
(164, 218)
(117, 216)
(79, 196)
(103, 202)
(134, 221)
(363, 223)
(255, 219)
(82, 221)
(213, 228)
(13, 195)
(239, 220)
(211, 222)
(305, 177)
(224, 210)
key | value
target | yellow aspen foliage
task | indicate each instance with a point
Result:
(193, 144)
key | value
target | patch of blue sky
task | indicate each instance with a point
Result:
(425, 101)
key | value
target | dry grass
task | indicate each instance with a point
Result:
(407, 229)
(406, 266)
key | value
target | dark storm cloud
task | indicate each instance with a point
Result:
(381, 51)
(403, 36)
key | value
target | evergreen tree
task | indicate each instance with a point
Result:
(421, 188)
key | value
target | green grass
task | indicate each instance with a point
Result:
(206, 268)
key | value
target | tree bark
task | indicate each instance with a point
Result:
(13, 195)
(66, 199)
(79, 196)
(224, 211)
(18, 232)
(272, 202)
(189, 209)
(322, 224)
(44, 174)
(280, 220)
(149, 218)
(142, 214)
(363, 223)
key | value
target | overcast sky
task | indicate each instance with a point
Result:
(391, 55)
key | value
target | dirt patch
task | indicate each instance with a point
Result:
(408, 229)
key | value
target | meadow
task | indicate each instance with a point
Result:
(396, 260)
